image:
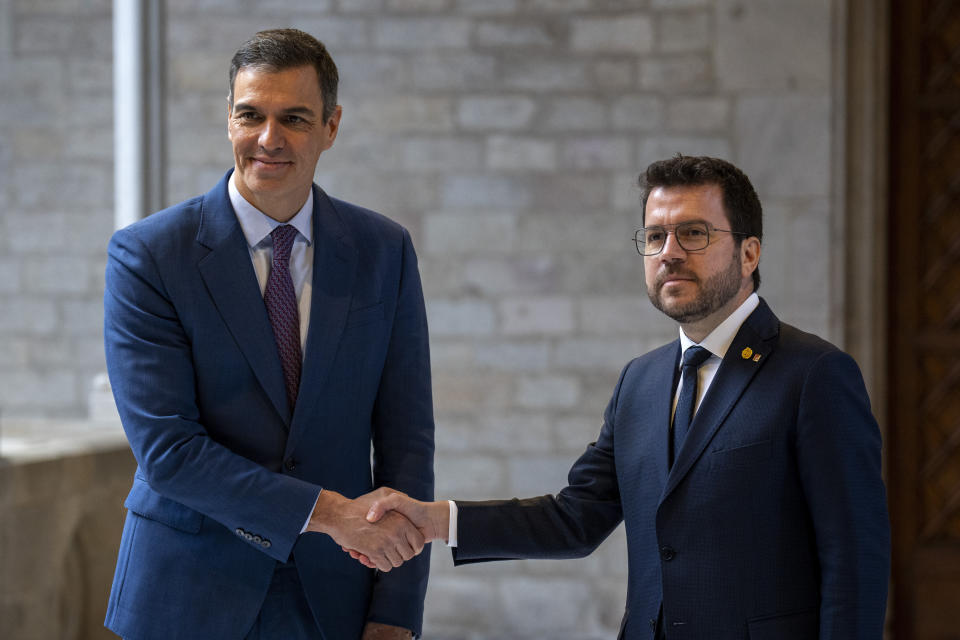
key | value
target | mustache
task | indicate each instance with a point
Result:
(671, 272)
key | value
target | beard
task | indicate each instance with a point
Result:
(714, 292)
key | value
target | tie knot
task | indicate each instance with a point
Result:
(283, 237)
(694, 357)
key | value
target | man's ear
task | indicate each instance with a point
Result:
(333, 126)
(750, 250)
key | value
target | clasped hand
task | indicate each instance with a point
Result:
(432, 519)
(384, 543)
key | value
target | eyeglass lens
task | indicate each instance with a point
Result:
(692, 236)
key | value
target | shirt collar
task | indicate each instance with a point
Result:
(719, 340)
(257, 225)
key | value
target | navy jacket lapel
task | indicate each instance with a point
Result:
(334, 272)
(228, 274)
(758, 334)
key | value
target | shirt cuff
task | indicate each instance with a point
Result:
(452, 531)
(310, 515)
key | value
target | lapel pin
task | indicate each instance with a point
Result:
(746, 353)
(756, 358)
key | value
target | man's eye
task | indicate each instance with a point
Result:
(295, 119)
(693, 232)
(654, 237)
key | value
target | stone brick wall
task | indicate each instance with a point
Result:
(507, 135)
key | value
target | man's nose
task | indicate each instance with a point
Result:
(672, 249)
(271, 136)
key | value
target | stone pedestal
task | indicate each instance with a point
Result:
(62, 486)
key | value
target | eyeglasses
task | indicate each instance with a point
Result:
(691, 236)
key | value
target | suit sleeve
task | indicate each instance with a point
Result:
(569, 525)
(403, 441)
(838, 452)
(152, 374)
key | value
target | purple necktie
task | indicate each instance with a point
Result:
(281, 301)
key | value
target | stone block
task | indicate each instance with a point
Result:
(56, 274)
(66, 8)
(561, 233)
(37, 83)
(563, 114)
(460, 392)
(537, 316)
(357, 6)
(37, 391)
(486, 7)
(690, 73)
(297, 7)
(631, 34)
(469, 233)
(390, 193)
(337, 33)
(460, 317)
(536, 72)
(451, 354)
(572, 432)
(548, 392)
(365, 73)
(591, 354)
(625, 193)
(469, 477)
(660, 147)
(513, 356)
(10, 270)
(613, 73)
(793, 35)
(679, 4)
(622, 315)
(494, 433)
(514, 33)
(561, 6)
(417, 5)
(86, 77)
(706, 114)
(795, 130)
(537, 474)
(571, 191)
(455, 71)
(485, 192)
(405, 113)
(495, 112)
(421, 33)
(445, 153)
(356, 149)
(82, 317)
(193, 71)
(684, 31)
(638, 113)
(597, 153)
(207, 146)
(521, 154)
(523, 273)
(546, 607)
(458, 602)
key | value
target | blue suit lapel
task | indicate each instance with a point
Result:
(759, 333)
(228, 274)
(334, 272)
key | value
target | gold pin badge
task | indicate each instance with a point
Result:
(756, 358)
(746, 353)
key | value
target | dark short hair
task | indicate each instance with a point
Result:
(740, 201)
(281, 49)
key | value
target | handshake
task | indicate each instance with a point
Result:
(382, 529)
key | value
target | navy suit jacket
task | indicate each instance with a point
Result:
(227, 474)
(771, 524)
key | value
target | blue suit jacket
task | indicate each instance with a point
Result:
(772, 523)
(226, 474)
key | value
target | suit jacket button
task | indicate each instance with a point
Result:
(667, 553)
(239, 531)
(290, 464)
(257, 539)
(265, 544)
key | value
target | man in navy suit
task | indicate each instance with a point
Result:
(743, 457)
(260, 339)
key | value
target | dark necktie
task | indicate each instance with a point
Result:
(693, 357)
(281, 301)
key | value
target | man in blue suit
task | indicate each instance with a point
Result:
(743, 457)
(259, 339)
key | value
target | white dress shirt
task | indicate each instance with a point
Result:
(717, 343)
(257, 226)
